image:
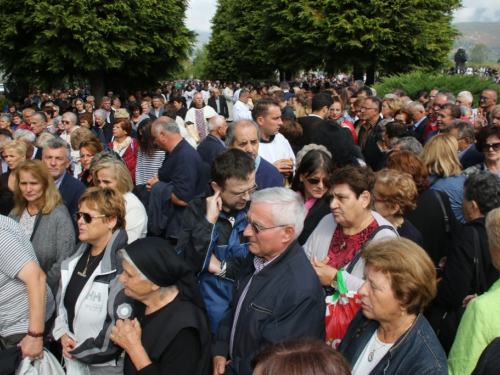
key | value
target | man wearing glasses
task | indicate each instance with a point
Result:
(211, 237)
(370, 112)
(278, 294)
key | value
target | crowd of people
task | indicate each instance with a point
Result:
(198, 228)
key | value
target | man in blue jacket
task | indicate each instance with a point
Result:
(211, 237)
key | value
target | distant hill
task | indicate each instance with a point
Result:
(476, 33)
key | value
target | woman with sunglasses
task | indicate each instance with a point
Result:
(314, 167)
(43, 217)
(91, 297)
(488, 143)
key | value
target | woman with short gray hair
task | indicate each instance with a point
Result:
(468, 270)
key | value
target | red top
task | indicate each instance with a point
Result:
(343, 248)
(130, 156)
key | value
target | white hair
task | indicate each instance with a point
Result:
(466, 95)
(215, 122)
(287, 207)
(28, 136)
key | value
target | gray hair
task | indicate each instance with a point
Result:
(284, 85)
(287, 207)
(240, 123)
(464, 128)
(416, 106)
(101, 113)
(70, 116)
(164, 290)
(28, 136)
(360, 83)
(56, 143)
(450, 98)
(215, 122)
(105, 99)
(464, 110)
(167, 124)
(483, 187)
(41, 115)
(466, 95)
(380, 128)
(26, 110)
(7, 116)
(244, 92)
(409, 144)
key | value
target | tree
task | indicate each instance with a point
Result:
(389, 36)
(122, 42)
(479, 53)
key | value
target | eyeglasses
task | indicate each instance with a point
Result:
(86, 217)
(250, 192)
(494, 146)
(485, 98)
(65, 122)
(257, 228)
(315, 181)
(367, 108)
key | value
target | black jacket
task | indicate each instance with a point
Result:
(209, 148)
(224, 111)
(317, 212)
(471, 157)
(310, 126)
(284, 301)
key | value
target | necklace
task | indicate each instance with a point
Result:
(84, 273)
(372, 353)
(343, 245)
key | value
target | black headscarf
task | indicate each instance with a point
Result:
(159, 262)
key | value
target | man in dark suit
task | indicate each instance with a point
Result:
(57, 157)
(321, 104)
(218, 102)
(464, 134)
(448, 113)
(420, 120)
(213, 144)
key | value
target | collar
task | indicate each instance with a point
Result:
(257, 162)
(271, 139)
(59, 181)
(462, 153)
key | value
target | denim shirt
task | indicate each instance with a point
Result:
(417, 352)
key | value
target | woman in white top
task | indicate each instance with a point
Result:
(114, 175)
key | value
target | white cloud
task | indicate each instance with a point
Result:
(478, 11)
(199, 14)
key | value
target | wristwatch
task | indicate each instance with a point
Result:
(334, 284)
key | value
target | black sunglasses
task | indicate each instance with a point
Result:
(494, 146)
(86, 217)
(315, 181)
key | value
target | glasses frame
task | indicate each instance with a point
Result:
(495, 146)
(249, 191)
(315, 181)
(86, 217)
(256, 228)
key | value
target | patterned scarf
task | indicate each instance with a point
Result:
(201, 126)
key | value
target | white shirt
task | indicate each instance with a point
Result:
(278, 149)
(241, 111)
(363, 366)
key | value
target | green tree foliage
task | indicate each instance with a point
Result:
(120, 42)
(479, 53)
(390, 36)
(418, 80)
(200, 62)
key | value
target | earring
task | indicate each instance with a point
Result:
(402, 312)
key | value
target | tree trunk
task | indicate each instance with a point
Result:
(357, 72)
(370, 75)
(96, 78)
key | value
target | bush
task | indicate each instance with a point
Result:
(3, 102)
(415, 81)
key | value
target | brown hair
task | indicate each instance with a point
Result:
(305, 356)
(291, 130)
(125, 124)
(93, 145)
(51, 196)
(80, 135)
(86, 117)
(107, 202)
(397, 188)
(359, 179)
(411, 270)
(408, 162)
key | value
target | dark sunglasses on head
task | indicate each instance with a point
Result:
(494, 146)
(86, 217)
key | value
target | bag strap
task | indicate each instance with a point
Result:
(477, 245)
(353, 262)
(446, 217)
(434, 181)
(35, 226)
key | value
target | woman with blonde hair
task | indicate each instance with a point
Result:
(301, 106)
(440, 156)
(390, 105)
(39, 209)
(395, 194)
(114, 175)
(14, 152)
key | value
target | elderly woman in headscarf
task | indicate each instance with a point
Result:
(171, 334)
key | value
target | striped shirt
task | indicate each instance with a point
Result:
(148, 166)
(15, 252)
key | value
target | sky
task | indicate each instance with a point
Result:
(200, 13)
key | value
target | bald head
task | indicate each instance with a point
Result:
(488, 100)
